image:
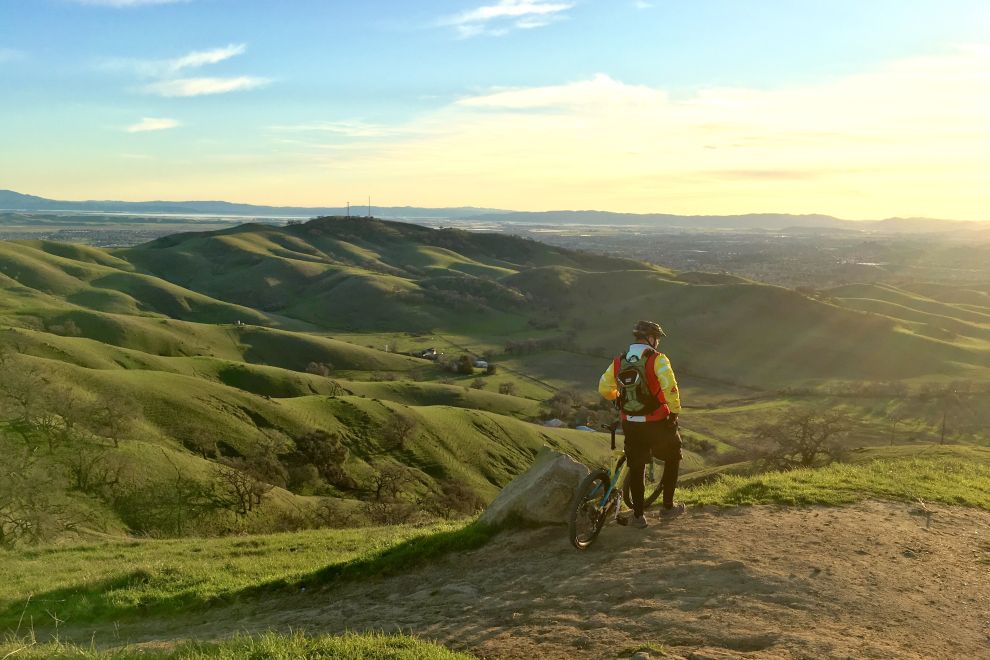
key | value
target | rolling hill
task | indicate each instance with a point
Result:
(231, 347)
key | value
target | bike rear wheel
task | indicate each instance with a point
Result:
(589, 510)
(654, 489)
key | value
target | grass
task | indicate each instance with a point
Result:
(118, 579)
(268, 646)
(408, 554)
(945, 479)
(161, 325)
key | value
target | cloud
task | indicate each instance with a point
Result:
(152, 124)
(642, 4)
(184, 87)
(168, 81)
(601, 89)
(170, 67)
(200, 58)
(347, 128)
(11, 55)
(504, 16)
(908, 138)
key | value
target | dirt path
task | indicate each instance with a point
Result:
(875, 580)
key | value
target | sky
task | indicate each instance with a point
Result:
(858, 109)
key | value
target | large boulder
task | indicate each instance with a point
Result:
(540, 495)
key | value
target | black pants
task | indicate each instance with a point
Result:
(657, 440)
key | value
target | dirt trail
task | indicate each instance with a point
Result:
(874, 580)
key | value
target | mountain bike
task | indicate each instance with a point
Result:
(597, 497)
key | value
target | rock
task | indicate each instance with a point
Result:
(540, 495)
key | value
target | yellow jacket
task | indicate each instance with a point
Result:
(608, 388)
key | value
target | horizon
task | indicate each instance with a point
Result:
(535, 105)
(359, 206)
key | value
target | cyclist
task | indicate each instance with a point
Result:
(641, 382)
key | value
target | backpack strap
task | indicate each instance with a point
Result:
(653, 383)
(651, 378)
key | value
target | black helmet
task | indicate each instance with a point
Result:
(648, 329)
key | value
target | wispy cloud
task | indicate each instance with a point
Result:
(351, 128)
(152, 124)
(170, 67)
(183, 87)
(11, 55)
(167, 73)
(642, 4)
(200, 58)
(505, 16)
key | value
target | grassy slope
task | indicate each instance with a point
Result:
(118, 579)
(157, 326)
(272, 646)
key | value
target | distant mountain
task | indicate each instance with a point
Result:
(14, 201)
(751, 221)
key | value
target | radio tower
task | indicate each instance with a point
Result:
(369, 207)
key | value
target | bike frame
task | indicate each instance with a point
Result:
(617, 466)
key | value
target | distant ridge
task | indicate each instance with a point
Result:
(14, 201)
(751, 221)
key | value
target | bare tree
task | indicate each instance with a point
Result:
(30, 508)
(113, 417)
(389, 480)
(894, 418)
(95, 470)
(239, 486)
(398, 430)
(802, 438)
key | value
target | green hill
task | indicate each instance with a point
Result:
(225, 351)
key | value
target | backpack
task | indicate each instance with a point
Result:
(636, 381)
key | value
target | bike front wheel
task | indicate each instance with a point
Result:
(589, 509)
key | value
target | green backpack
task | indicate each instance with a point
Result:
(639, 390)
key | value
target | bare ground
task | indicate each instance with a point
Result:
(874, 580)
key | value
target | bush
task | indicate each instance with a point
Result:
(319, 368)
(398, 430)
(327, 453)
(454, 500)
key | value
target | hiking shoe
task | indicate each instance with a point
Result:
(673, 511)
(630, 520)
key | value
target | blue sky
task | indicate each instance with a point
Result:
(315, 102)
